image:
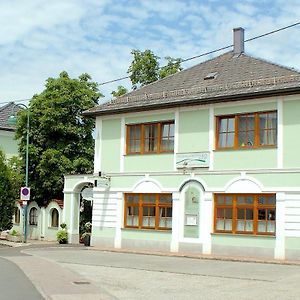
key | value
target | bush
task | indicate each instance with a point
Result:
(14, 233)
(62, 236)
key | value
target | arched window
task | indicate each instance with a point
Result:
(54, 217)
(33, 216)
(17, 215)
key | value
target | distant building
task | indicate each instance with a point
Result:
(7, 132)
(205, 161)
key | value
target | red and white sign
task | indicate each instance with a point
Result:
(25, 193)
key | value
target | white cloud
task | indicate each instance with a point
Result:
(40, 38)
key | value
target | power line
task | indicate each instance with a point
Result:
(216, 50)
(19, 100)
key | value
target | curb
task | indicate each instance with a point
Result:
(198, 256)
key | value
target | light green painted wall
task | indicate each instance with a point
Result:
(149, 118)
(111, 134)
(193, 131)
(291, 129)
(243, 241)
(146, 235)
(8, 144)
(245, 108)
(149, 162)
(103, 232)
(279, 180)
(292, 243)
(245, 159)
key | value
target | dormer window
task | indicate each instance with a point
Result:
(212, 75)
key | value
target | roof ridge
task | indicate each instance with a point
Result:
(6, 105)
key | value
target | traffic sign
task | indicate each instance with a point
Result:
(25, 193)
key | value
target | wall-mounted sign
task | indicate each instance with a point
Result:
(191, 220)
(192, 160)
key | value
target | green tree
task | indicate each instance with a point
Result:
(7, 195)
(120, 91)
(173, 66)
(60, 137)
(145, 68)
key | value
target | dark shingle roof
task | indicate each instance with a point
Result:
(6, 111)
(235, 78)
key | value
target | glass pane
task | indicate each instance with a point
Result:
(241, 214)
(220, 224)
(261, 226)
(240, 225)
(165, 199)
(272, 200)
(133, 199)
(230, 139)
(262, 200)
(262, 214)
(271, 214)
(148, 211)
(220, 199)
(241, 200)
(249, 226)
(149, 198)
(220, 213)
(223, 125)
(228, 200)
(149, 221)
(228, 213)
(228, 225)
(230, 124)
(222, 140)
(249, 214)
(271, 227)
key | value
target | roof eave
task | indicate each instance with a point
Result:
(197, 101)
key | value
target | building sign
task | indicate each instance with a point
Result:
(192, 160)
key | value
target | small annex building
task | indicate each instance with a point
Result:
(204, 161)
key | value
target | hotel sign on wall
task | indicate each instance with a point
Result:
(192, 160)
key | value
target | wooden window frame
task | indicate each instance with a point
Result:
(157, 140)
(256, 206)
(141, 204)
(257, 131)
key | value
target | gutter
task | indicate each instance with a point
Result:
(197, 101)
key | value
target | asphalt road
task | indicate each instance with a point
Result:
(14, 284)
(135, 276)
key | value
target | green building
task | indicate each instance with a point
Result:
(204, 161)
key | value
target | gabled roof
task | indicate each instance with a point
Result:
(227, 77)
(5, 112)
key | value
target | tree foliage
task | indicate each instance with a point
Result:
(145, 68)
(173, 66)
(120, 91)
(7, 195)
(60, 137)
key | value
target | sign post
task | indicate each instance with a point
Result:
(25, 197)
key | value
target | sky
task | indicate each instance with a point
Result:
(41, 38)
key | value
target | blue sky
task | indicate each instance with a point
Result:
(40, 38)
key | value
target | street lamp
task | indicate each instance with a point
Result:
(12, 120)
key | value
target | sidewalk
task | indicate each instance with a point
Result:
(160, 253)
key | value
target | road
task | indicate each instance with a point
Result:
(128, 276)
(14, 284)
(135, 276)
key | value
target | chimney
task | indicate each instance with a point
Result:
(238, 41)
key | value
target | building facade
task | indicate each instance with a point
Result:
(203, 161)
